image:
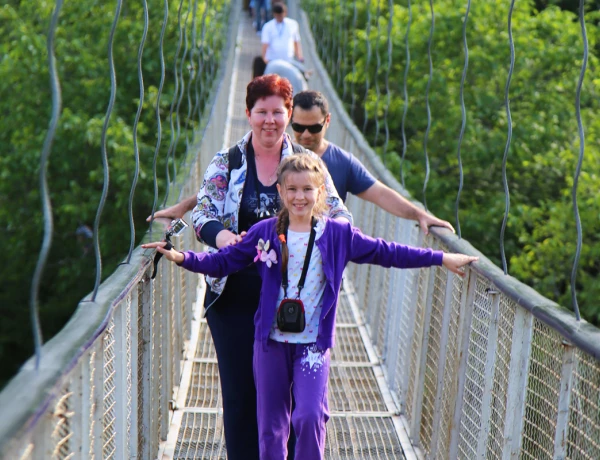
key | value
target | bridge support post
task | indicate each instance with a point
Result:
(395, 304)
(147, 377)
(464, 329)
(421, 354)
(165, 392)
(517, 384)
(443, 352)
(488, 377)
(569, 364)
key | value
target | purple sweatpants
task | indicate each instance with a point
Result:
(274, 372)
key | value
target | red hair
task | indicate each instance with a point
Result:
(269, 85)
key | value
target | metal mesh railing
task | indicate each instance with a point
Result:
(107, 379)
(481, 367)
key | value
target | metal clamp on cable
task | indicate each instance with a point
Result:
(175, 228)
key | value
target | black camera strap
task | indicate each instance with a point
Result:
(311, 243)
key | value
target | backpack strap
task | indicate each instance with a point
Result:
(235, 159)
(297, 148)
(235, 156)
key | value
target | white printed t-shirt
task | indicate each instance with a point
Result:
(314, 287)
(280, 36)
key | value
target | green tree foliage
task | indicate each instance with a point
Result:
(75, 173)
(541, 237)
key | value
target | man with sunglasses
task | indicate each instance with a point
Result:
(310, 120)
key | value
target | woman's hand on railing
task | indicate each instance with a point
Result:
(171, 254)
(227, 238)
(454, 262)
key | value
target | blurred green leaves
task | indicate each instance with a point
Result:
(540, 238)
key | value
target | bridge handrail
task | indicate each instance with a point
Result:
(123, 348)
(480, 367)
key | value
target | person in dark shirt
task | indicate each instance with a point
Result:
(310, 120)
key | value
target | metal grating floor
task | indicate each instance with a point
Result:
(363, 423)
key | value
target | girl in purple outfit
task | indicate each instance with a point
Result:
(301, 257)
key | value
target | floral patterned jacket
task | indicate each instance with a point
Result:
(220, 197)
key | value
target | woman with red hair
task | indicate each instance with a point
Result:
(239, 190)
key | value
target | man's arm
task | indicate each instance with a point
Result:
(394, 203)
(264, 52)
(298, 51)
(177, 211)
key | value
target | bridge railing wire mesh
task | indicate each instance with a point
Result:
(481, 366)
(105, 382)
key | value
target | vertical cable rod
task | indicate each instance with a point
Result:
(136, 151)
(426, 137)
(354, 74)
(579, 161)
(464, 117)
(509, 137)
(344, 53)
(387, 79)
(157, 109)
(198, 87)
(193, 76)
(367, 70)
(111, 103)
(182, 89)
(405, 91)
(170, 150)
(377, 69)
(45, 195)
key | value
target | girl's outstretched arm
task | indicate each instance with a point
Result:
(171, 254)
(454, 262)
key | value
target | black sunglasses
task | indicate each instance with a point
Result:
(313, 129)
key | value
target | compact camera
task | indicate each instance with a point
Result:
(175, 228)
(290, 316)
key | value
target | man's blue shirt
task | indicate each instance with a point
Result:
(347, 172)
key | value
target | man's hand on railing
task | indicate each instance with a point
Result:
(171, 254)
(454, 262)
(426, 220)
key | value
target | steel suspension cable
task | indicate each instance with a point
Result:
(509, 137)
(182, 89)
(354, 73)
(377, 69)
(344, 53)
(173, 103)
(426, 138)
(193, 76)
(405, 92)
(387, 79)
(111, 103)
(464, 117)
(579, 161)
(198, 87)
(157, 109)
(45, 195)
(367, 70)
(340, 46)
(136, 151)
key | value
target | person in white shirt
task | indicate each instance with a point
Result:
(280, 37)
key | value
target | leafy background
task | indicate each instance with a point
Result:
(75, 174)
(540, 239)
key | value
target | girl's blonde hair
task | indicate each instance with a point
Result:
(299, 163)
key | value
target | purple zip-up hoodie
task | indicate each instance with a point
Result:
(339, 244)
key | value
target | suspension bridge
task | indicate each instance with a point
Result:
(426, 365)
